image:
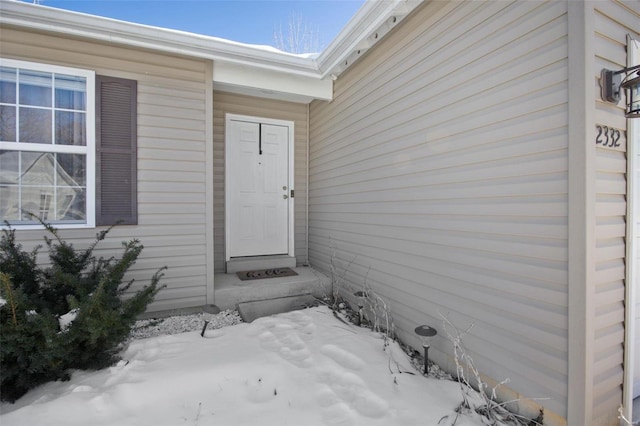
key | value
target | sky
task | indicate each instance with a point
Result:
(245, 21)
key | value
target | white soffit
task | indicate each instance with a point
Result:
(244, 79)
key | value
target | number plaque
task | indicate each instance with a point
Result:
(610, 138)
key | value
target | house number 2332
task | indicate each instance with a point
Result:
(607, 137)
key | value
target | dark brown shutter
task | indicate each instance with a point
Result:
(116, 151)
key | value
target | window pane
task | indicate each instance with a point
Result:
(35, 88)
(70, 187)
(71, 170)
(37, 201)
(50, 186)
(70, 128)
(7, 123)
(35, 125)
(37, 169)
(70, 204)
(9, 206)
(9, 167)
(70, 92)
(8, 85)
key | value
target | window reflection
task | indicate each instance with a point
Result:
(49, 186)
(71, 169)
(7, 85)
(9, 167)
(35, 88)
(7, 123)
(70, 204)
(36, 168)
(70, 128)
(47, 108)
(70, 92)
(8, 207)
(35, 125)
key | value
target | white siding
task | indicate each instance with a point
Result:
(613, 21)
(172, 117)
(224, 103)
(440, 169)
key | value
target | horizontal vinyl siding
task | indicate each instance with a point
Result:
(171, 159)
(230, 103)
(613, 21)
(439, 176)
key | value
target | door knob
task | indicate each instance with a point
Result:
(285, 196)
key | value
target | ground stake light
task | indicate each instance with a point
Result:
(612, 84)
(426, 333)
(204, 328)
(360, 295)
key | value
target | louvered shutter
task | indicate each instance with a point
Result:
(116, 151)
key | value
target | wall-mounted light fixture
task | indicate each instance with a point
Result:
(612, 84)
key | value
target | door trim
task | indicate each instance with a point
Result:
(291, 173)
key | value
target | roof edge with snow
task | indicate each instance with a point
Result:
(370, 23)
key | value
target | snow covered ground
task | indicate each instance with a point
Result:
(301, 368)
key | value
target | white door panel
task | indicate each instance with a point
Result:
(258, 189)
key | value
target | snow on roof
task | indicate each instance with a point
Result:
(366, 28)
(255, 70)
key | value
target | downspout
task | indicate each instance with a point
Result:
(632, 272)
(306, 209)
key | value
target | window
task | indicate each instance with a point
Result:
(47, 144)
(68, 146)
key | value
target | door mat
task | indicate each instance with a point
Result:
(266, 273)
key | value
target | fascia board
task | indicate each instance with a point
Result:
(225, 73)
(252, 92)
(172, 41)
(359, 34)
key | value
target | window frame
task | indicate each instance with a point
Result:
(89, 150)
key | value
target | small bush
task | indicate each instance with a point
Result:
(35, 346)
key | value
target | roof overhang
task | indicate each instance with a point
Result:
(279, 74)
(367, 27)
(243, 79)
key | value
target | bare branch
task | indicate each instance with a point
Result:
(298, 36)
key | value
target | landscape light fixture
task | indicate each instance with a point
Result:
(360, 295)
(612, 83)
(426, 333)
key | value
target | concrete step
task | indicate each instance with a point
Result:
(230, 291)
(252, 263)
(249, 311)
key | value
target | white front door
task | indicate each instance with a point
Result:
(259, 179)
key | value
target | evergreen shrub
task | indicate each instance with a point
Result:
(35, 345)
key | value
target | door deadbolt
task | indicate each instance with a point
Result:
(284, 188)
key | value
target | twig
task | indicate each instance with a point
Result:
(198, 414)
(490, 409)
(345, 329)
(622, 417)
